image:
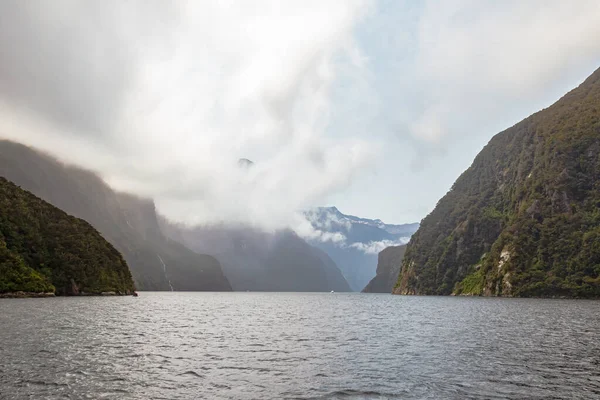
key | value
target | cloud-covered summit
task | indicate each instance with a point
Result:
(330, 226)
(353, 242)
(162, 99)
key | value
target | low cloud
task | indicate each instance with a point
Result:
(324, 237)
(163, 98)
(377, 247)
(326, 219)
(327, 225)
(304, 225)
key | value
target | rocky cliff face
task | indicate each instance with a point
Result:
(127, 222)
(261, 261)
(388, 268)
(45, 250)
(524, 219)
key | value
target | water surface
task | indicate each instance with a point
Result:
(298, 346)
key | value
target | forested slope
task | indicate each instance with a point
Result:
(524, 219)
(43, 249)
(128, 222)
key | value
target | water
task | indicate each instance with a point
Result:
(276, 345)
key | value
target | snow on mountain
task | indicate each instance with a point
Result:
(354, 242)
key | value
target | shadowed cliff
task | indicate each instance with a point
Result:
(127, 222)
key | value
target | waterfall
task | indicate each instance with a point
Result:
(165, 271)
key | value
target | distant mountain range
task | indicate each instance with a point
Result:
(354, 243)
(255, 260)
(166, 256)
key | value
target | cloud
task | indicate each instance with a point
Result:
(163, 98)
(318, 235)
(328, 225)
(327, 219)
(473, 58)
(377, 247)
(309, 226)
(310, 232)
(446, 70)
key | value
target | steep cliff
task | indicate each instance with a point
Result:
(333, 275)
(43, 249)
(524, 219)
(388, 269)
(263, 261)
(129, 223)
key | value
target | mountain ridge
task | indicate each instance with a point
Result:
(126, 221)
(255, 260)
(43, 249)
(524, 219)
(354, 242)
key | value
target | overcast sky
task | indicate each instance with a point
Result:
(373, 106)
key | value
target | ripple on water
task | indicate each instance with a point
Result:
(192, 373)
(348, 346)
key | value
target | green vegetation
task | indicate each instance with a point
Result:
(127, 222)
(531, 201)
(16, 276)
(471, 285)
(43, 249)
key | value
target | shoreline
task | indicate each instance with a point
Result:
(24, 295)
(33, 295)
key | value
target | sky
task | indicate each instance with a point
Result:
(374, 106)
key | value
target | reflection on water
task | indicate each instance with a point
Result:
(288, 345)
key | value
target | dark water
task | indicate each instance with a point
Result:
(272, 346)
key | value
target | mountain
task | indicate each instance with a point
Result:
(245, 163)
(262, 261)
(524, 219)
(333, 276)
(43, 249)
(129, 223)
(353, 242)
(388, 269)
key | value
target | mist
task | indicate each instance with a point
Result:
(162, 99)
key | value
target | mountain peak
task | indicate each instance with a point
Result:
(245, 163)
(354, 242)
